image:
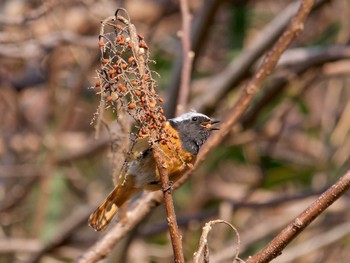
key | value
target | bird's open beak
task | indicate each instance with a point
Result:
(209, 125)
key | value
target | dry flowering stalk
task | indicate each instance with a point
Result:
(125, 80)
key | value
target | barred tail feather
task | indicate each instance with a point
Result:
(104, 214)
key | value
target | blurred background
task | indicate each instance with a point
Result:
(291, 145)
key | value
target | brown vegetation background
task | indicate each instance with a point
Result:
(292, 143)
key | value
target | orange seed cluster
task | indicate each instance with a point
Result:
(125, 77)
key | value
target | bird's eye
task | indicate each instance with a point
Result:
(194, 119)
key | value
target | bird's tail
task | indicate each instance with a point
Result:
(103, 215)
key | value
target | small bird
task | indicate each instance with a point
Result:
(188, 133)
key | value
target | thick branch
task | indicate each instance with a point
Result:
(275, 247)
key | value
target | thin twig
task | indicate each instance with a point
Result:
(187, 55)
(202, 21)
(176, 239)
(275, 247)
(203, 243)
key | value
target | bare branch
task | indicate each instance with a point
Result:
(275, 247)
(187, 55)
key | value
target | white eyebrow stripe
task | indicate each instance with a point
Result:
(188, 115)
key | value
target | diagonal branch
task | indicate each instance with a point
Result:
(275, 247)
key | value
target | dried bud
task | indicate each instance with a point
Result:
(130, 59)
(121, 87)
(131, 106)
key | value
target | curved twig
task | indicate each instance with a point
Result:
(203, 243)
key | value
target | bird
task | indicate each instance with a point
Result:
(188, 131)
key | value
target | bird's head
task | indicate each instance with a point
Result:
(194, 129)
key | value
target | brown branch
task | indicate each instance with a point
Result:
(169, 207)
(187, 55)
(275, 247)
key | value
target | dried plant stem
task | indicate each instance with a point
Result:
(275, 247)
(187, 55)
(169, 207)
